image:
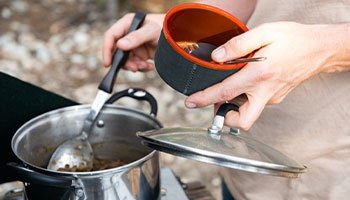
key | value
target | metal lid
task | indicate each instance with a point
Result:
(225, 148)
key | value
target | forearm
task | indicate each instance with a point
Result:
(242, 9)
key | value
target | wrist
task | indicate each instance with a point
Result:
(337, 48)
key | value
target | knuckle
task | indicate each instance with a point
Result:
(264, 75)
(234, 46)
(268, 72)
(266, 31)
(264, 27)
(129, 15)
(276, 100)
(227, 93)
(245, 125)
(107, 34)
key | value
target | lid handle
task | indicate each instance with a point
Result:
(218, 122)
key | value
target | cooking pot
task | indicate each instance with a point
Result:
(194, 23)
(112, 137)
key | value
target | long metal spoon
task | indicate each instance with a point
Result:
(77, 153)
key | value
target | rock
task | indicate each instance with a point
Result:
(78, 73)
(19, 27)
(81, 40)
(10, 67)
(92, 63)
(86, 93)
(134, 76)
(19, 6)
(43, 55)
(84, 28)
(6, 13)
(55, 40)
(26, 38)
(66, 46)
(13, 50)
(6, 38)
(77, 59)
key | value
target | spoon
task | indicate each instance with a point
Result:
(203, 51)
(77, 153)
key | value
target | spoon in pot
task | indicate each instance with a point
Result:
(76, 153)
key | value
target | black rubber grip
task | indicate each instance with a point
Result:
(225, 108)
(120, 57)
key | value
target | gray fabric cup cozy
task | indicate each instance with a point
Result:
(182, 74)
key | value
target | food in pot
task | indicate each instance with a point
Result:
(99, 164)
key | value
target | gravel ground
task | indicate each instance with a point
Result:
(56, 44)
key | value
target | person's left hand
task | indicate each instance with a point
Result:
(295, 52)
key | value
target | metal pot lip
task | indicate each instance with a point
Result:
(80, 107)
(94, 173)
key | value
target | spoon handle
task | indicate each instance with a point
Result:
(245, 60)
(120, 57)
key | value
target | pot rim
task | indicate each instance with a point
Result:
(16, 137)
(187, 55)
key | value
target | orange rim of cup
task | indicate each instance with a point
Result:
(187, 55)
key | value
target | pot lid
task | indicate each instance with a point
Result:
(222, 147)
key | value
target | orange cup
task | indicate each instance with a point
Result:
(194, 23)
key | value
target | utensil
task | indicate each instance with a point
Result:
(220, 147)
(77, 152)
(203, 50)
(113, 133)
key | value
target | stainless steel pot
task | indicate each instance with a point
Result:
(113, 137)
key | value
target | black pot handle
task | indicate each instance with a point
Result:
(138, 94)
(29, 176)
(225, 108)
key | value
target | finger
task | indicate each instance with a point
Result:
(112, 35)
(241, 45)
(136, 38)
(141, 65)
(141, 52)
(135, 63)
(144, 66)
(247, 115)
(131, 63)
(227, 90)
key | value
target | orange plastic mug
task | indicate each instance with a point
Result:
(194, 23)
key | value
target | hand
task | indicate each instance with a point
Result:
(294, 52)
(142, 42)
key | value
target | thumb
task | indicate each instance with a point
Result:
(241, 45)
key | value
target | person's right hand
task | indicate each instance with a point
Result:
(142, 43)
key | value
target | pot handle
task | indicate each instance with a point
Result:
(27, 175)
(138, 94)
(218, 122)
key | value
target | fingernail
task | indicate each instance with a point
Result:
(190, 105)
(140, 67)
(219, 53)
(124, 42)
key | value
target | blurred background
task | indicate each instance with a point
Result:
(57, 45)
